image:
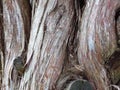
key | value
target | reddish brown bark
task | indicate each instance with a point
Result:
(97, 39)
(51, 49)
(49, 36)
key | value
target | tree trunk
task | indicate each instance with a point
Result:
(98, 39)
(47, 44)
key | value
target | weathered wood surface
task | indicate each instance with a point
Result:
(16, 22)
(52, 32)
(97, 39)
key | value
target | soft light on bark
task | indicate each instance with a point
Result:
(59, 42)
(97, 39)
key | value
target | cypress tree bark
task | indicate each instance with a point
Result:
(49, 44)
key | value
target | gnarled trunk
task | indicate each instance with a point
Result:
(47, 44)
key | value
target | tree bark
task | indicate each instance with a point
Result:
(57, 42)
(98, 38)
(16, 18)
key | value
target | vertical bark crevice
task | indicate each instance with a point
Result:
(113, 63)
(117, 26)
(81, 4)
(71, 70)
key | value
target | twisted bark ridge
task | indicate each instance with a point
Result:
(98, 39)
(57, 42)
